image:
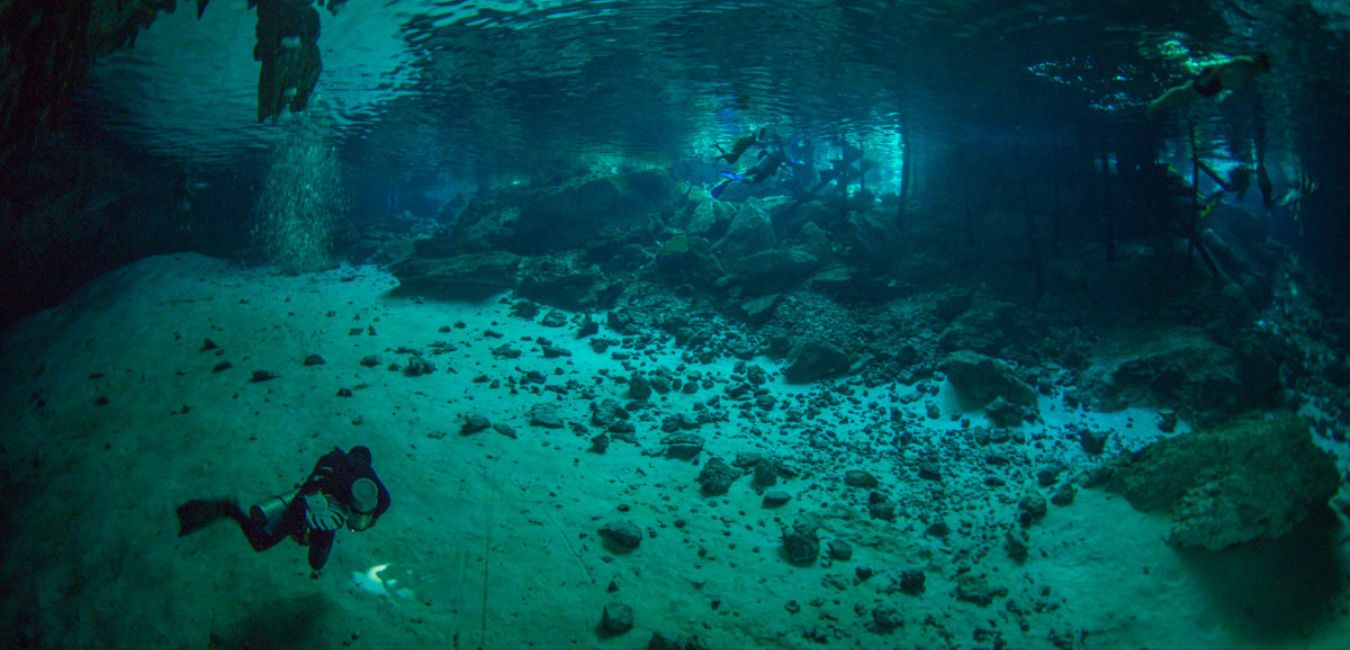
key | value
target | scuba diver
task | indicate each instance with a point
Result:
(771, 158)
(1233, 74)
(342, 490)
(742, 144)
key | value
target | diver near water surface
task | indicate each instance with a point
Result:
(342, 490)
(1234, 74)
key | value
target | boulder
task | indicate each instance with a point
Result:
(1249, 480)
(750, 232)
(1180, 369)
(459, 274)
(814, 360)
(980, 379)
(776, 268)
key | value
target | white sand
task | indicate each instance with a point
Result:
(491, 541)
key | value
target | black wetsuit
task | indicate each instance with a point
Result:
(333, 475)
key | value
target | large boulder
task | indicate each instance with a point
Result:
(814, 360)
(750, 232)
(979, 380)
(554, 218)
(1180, 368)
(774, 269)
(1249, 480)
(985, 326)
(458, 276)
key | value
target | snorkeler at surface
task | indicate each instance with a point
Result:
(1234, 74)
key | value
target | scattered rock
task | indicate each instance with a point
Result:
(473, 423)
(1031, 508)
(886, 618)
(716, 477)
(623, 534)
(860, 478)
(417, 366)
(1093, 442)
(546, 416)
(263, 375)
(616, 619)
(976, 589)
(801, 544)
(814, 360)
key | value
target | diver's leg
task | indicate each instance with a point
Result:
(266, 527)
(1171, 99)
(320, 544)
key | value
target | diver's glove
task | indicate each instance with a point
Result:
(323, 512)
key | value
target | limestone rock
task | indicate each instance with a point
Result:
(1252, 479)
(980, 380)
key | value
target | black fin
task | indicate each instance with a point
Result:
(200, 513)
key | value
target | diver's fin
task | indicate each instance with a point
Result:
(717, 191)
(200, 513)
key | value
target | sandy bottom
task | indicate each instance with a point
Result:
(492, 541)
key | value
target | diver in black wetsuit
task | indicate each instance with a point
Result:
(342, 490)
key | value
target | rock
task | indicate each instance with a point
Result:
(912, 581)
(1180, 369)
(1093, 442)
(417, 366)
(660, 641)
(599, 443)
(716, 477)
(1252, 479)
(979, 380)
(624, 534)
(1031, 508)
(467, 274)
(1063, 496)
(750, 232)
(639, 388)
(885, 617)
(879, 506)
(314, 360)
(505, 429)
(840, 550)
(860, 478)
(554, 318)
(263, 375)
(801, 544)
(759, 310)
(814, 360)
(774, 269)
(985, 326)
(222, 366)
(1004, 413)
(775, 498)
(976, 589)
(1167, 421)
(370, 361)
(1015, 543)
(684, 446)
(546, 416)
(473, 423)
(765, 473)
(616, 619)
